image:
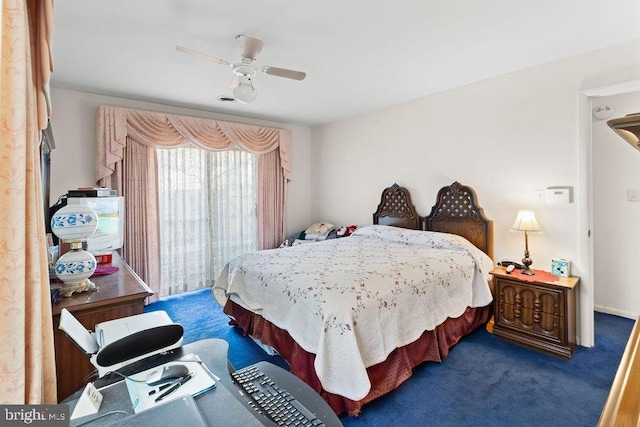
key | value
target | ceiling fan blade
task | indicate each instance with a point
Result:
(283, 72)
(202, 55)
(235, 82)
(251, 46)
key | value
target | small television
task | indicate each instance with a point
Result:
(110, 233)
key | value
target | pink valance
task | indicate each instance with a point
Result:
(162, 130)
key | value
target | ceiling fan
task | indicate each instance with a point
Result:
(245, 69)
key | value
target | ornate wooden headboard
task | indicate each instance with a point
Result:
(456, 212)
(396, 208)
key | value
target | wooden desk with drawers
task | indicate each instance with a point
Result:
(119, 295)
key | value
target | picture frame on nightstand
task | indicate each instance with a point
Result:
(561, 267)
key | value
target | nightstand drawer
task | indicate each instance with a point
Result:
(539, 325)
(530, 296)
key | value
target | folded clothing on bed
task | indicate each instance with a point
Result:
(301, 236)
(318, 231)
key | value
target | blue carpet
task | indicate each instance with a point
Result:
(203, 318)
(483, 382)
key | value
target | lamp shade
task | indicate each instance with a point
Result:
(526, 222)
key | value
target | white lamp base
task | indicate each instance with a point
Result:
(74, 269)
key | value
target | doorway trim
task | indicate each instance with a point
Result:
(585, 220)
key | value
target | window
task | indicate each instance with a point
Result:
(208, 214)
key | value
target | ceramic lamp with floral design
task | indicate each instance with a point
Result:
(73, 224)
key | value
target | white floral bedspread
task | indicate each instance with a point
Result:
(352, 301)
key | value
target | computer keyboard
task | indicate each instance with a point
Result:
(272, 401)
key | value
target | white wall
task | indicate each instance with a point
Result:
(505, 137)
(74, 126)
(616, 168)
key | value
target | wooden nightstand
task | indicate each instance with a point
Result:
(119, 295)
(536, 311)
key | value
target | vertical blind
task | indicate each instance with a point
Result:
(208, 214)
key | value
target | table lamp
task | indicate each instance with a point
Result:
(73, 224)
(526, 223)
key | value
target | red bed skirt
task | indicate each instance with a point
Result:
(385, 377)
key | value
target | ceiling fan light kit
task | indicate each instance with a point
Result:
(243, 89)
(245, 69)
(244, 92)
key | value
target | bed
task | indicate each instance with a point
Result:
(353, 316)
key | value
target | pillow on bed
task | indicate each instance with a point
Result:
(431, 239)
(318, 231)
(386, 232)
(414, 237)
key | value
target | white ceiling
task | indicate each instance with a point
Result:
(359, 55)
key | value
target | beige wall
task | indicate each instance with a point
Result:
(72, 162)
(505, 137)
